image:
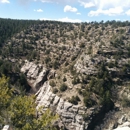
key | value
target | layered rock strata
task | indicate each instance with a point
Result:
(70, 115)
(36, 74)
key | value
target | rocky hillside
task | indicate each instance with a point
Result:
(81, 71)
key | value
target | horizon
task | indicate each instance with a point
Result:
(102, 21)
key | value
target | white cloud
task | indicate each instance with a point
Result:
(66, 19)
(110, 12)
(58, 1)
(128, 12)
(68, 8)
(113, 3)
(105, 4)
(102, 4)
(87, 4)
(4, 1)
(46, 19)
(78, 13)
(106, 7)
(46, 1)
(99, 4)
(39, 10)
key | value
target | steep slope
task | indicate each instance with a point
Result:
(86, 65)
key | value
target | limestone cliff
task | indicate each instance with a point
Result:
(36, 74)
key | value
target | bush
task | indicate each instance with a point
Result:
(66, 63)
(73, 58)
(64, 79)
(48, 51)
(76, 80)
(47, 60)
(74, 100)
(125, 102)
(63, 87)
(90, 50)
(110, 65)
(85, 117)
(52, 83)
(56, 64)
(80, 91)
(55, 90)
(88, 101)
(82, 45)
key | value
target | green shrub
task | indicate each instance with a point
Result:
(76, 80)
(90, 50)
(56, 64)
(64, 79)
(73, 58)
(82, 45)
(63, 87)
(85, 117)
(66, 63)
(55, 90)
(52, 83)
(47, 60)
(110, 65)
(125, 102)
(74, 100)
(80, 91)
(88, 101)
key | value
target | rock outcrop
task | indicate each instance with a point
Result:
(70, 115)
(85, 65)
(36, 74)
(123, 123)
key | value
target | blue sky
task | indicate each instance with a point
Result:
(66, 10)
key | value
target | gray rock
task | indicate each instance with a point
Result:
(122, 120)
(34, 78)
(68, 113)
(51, 74)
(67, 105)
(56, 100)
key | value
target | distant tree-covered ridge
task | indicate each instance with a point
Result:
(8, 27)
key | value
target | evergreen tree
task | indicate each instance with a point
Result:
(20, 111)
